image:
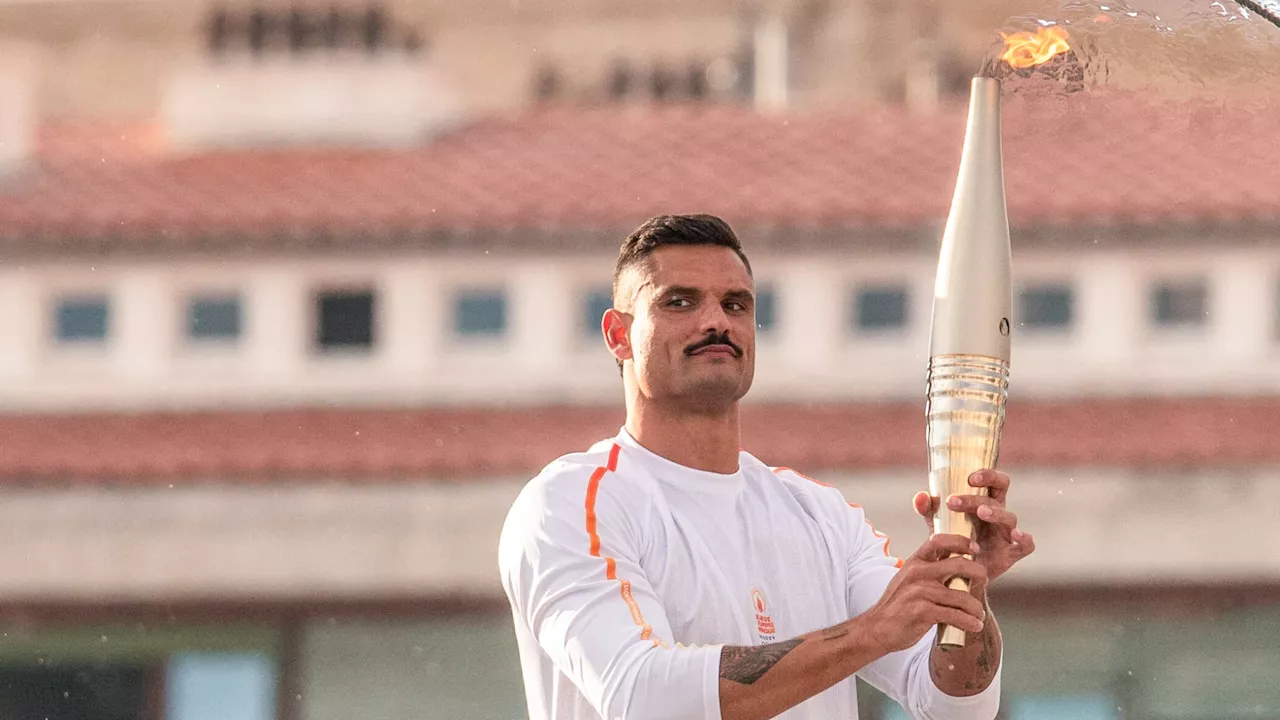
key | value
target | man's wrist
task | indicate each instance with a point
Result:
(978, 589)
(864, 642)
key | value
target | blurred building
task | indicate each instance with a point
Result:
(284, 333)
(118, 59)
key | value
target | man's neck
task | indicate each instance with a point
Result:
(708, 442)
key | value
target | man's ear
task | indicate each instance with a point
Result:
(616, 326)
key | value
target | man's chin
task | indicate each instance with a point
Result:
(716, 391)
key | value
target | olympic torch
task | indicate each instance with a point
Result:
(968, 374)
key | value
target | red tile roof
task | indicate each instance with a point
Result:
(1092, 160)
(459, 444)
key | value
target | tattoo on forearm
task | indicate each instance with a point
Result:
(986, 668)
(972, 667)
(746, 665)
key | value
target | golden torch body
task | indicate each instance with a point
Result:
(968, 373)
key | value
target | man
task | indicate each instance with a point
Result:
(665, 574)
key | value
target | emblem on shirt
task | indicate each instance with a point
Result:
(764, 623)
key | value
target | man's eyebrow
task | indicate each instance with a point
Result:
(738, 294)
(676, 290)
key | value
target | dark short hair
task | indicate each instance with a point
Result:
(674, 230)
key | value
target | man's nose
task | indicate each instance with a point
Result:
(714, 319)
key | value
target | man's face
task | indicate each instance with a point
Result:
(692, 335)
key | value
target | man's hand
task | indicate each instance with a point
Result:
(917, 598)
(1000, 542)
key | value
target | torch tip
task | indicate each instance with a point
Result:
(990, 68)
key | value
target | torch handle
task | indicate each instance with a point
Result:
(950, 635)
(964, 418)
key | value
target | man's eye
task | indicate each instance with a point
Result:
(677, 302)
(736, 306)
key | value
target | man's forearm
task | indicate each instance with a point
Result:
(764, 681)
(969, 670)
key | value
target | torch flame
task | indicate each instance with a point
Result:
(1024, 49)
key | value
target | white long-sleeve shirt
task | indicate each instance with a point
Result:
(627, 573)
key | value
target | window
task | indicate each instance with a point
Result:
(77, 691)
(1046, 306)
(213, 686)
(766, 309)
(954, 73)
(880, 308)
(621, 79)
(344, 320)
(547, 83)
(662, 83)
(213, 318)
(82, 319)
(1275, 313)
(480, 313)
(1180, 304)
(1064, 707)
(594, 306)
(308, 30)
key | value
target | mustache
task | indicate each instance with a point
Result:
(715, 339)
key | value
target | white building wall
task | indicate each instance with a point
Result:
(276, 318)
(546, 356)
(323, 97)
(20, 313)
(305, 540)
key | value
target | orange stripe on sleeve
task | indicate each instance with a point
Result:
(593, 486)
(610, 564)
(877, 533)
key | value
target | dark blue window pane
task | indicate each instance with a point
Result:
(345, 320)
(214, 318)
(1046, 306)
(81, 319)
(594, 306)
(766, 309)
(89, 689)
(480, 313)
(881, 308)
